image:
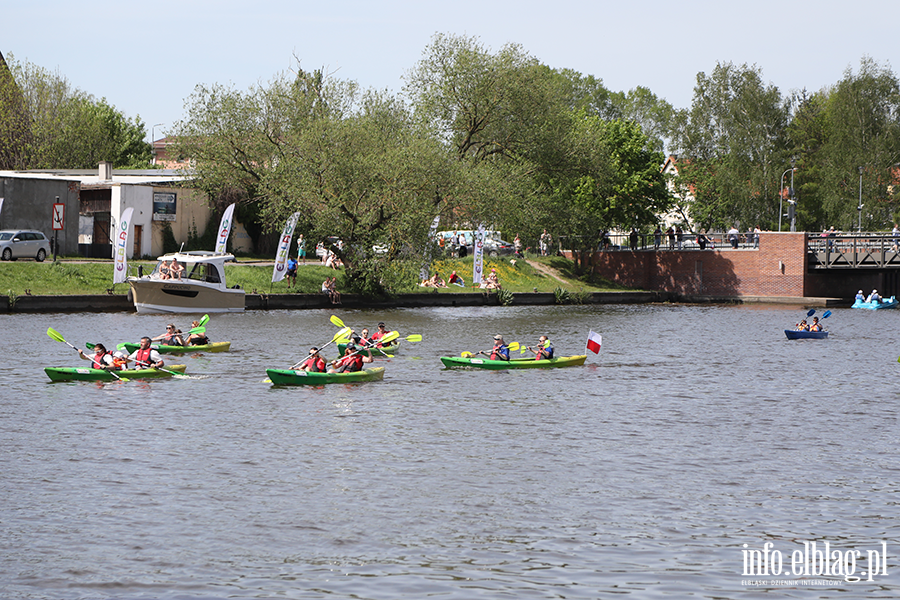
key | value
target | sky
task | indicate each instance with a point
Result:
(147, 58)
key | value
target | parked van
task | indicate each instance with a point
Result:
(493, 245)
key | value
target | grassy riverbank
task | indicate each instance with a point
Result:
(73, 276)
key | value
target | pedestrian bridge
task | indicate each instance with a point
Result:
(853, 251)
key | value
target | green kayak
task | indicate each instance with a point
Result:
(516, 363)
(162, 349)
(388, 350)
(289, 377)
(77, 374)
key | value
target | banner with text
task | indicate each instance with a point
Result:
(224, 230)
(120, 259)
(284, 248)
(478, 263)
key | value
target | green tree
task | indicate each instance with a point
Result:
(70, 129)
(355, 164)
(862, 122)
(732, 144)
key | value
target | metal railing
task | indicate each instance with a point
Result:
(853, 251)
(648, 242)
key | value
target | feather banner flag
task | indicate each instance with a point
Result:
(224, 230)
(120, 259)
(594, 341)
(284, 248)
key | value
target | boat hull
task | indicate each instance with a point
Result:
(166, 296)
(890, 303)
(77, 374)
(163, 349)
(291, 377)
(388, 350)
(516, 363)
(793, 334)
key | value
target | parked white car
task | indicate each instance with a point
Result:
(23, 243)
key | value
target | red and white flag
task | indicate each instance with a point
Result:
(595, 340)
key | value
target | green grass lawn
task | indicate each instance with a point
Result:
(68, 277)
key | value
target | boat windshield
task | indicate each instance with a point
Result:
(204, 272)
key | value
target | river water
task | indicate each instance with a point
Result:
(696, 436)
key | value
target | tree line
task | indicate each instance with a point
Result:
(497, 138)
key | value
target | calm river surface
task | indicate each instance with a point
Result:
(695, 432)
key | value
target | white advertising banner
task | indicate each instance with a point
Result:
(478, 263)
(120, 259)
(284, 248)
(224, 230)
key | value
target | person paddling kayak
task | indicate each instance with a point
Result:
(544, 349)
(145, 356)
(102, 358)
(352, 360)
(170, 338)
(500, 351)
(314, 363)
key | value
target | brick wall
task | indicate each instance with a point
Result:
(778, 268)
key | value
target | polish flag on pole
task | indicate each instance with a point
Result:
(594, 341)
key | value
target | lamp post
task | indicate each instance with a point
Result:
(859, 207)
(781, 199)
(153, 140)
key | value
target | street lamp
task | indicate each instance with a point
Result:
(781, 199)
(860, 206)
(153, 140)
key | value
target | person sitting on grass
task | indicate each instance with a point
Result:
(456, 280)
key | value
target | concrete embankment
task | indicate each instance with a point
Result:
(120, 303)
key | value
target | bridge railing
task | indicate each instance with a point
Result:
(853, 250)
(623, 242)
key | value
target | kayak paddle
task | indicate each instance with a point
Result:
(175, 374)
(57, 336)
(512, 347)
(390, 337)
(340, 334)
(410, 338)
(204, 320)
(337, 322)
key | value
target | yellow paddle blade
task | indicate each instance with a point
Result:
(413, 338)
(468, 354)
(523, 350)
(343, 341)
(390, 337)
(514, 346)
(55, 335)
(342, 333)
(337, 322)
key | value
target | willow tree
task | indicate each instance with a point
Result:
(353, 163)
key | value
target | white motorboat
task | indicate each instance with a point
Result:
(199, 288)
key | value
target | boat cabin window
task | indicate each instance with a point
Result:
(204, 272)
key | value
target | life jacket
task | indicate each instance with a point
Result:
(119, 363)
(98, 363)
(200, 340)
(500, 352)
(315, 363)
(142, 356)
(540, 355)
(350, 364)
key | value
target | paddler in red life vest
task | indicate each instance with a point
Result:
(146, 357)
(101, 359)
(544, 349)
(315, 363)
(352, 360)
(363, 337)
(379, 334)
(500, 351)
